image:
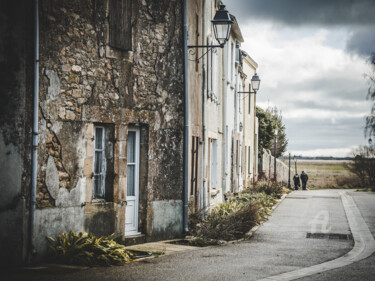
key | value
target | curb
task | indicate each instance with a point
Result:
(364, 245)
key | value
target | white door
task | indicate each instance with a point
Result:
(132, 193)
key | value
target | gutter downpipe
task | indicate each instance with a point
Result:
(32, 250)
(203, 151)
(236, 156)
(186, 128)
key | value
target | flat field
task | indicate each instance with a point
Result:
(326, 173)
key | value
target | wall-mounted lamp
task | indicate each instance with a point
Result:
(222, 24)
(255, 83)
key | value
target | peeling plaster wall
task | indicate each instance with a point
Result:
(167, 222)
(85, 82)
(16, 45)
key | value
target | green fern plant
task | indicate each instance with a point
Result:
(86, 249)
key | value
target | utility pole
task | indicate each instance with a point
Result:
(275, 152)
(289, 186)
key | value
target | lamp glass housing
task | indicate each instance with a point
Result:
(255, 82)
(222, 24)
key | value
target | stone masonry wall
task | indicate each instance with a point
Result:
(268, 164)
(85, 82)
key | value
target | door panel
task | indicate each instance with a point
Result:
(132, 192)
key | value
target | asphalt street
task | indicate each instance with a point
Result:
(280, 245)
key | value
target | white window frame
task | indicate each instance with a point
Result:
(102, 173)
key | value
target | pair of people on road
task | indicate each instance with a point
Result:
(297, 183)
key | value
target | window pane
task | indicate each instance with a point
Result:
(98, 138)
(98, 190)
(98, 162)
(131, 147)
(130, 180)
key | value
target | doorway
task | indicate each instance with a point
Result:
(132, 192)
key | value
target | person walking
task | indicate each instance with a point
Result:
(296, 181)
(304, 178)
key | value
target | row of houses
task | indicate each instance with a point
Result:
(110, 123)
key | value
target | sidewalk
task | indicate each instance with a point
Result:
(279, 245)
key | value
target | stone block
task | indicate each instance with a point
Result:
(66, 67)
(89, 148)
(89, 187)
(89, 133)
(76, 69)
(88, 167)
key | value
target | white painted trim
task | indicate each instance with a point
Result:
(136, 181)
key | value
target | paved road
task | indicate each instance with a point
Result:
(362, 270)
(280, 245)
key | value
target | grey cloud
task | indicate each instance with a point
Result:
(296, 12)
(362, 41)
(358, 15)
(304, 131)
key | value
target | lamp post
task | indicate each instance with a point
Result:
(222, 25)
(275, 155)
(289, 186)
(295, 164)
(372, 164)
(255, 83)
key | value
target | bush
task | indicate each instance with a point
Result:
(269, 188)
(230, 220)
(86, 249)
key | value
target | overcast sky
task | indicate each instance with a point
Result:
(312, 59)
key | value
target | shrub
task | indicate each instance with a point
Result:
(86, 249)
(230, 220)
(269, 188)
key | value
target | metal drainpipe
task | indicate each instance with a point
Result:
(32, 250)
(236, 158)
(203, 181)
(255, 161)
(186, 128)
(224, 120)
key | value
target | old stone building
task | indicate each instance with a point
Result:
(109, 125)
(110, 120)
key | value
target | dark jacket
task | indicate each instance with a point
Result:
(296, 180)
(304, 177)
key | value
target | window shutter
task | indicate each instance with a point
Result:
(120, 35)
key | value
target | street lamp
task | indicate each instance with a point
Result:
(222, 25)
(295, 164)
(255, 83)
(289, 186)
(275, 154)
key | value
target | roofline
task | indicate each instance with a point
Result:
(236, 31)
(249, 59)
